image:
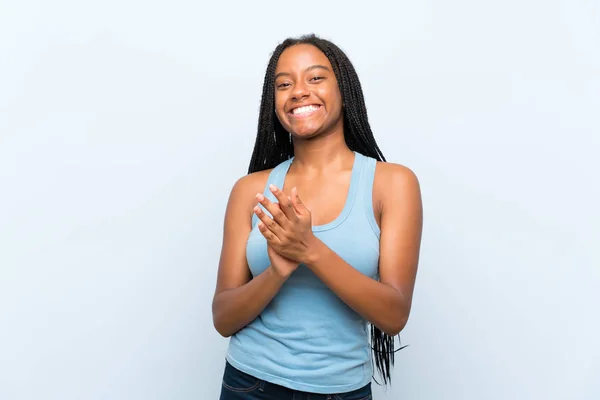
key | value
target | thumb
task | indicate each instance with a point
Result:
(298, 205)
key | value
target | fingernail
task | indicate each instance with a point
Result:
(260, 197)
(257, 210)
(272, 187)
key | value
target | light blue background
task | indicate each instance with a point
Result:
(124, 124)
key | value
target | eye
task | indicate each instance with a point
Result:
(317, 78)
(282, 85)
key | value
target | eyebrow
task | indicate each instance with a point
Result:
(312, 67)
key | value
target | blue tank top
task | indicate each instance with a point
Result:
(307, 338)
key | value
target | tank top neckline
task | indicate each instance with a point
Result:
(350, 198)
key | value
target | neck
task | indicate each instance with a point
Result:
(324, 153)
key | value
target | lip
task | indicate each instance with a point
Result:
(319, 106)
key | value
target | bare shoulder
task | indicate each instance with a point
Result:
(394, 177)
(255, 180)
(395, 183)
(245, 189)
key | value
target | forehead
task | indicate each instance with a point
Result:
(300, 57)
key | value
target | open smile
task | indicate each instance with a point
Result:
(304, 111)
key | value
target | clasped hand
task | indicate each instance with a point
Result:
(289, 231)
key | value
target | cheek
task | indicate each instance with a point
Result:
(279, 101)
(333, 98)
(336, 105)
(279, 105)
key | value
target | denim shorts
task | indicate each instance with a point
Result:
(238, 385)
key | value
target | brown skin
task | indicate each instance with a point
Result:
(321, 173)
(303, 77)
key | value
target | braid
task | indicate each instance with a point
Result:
(274, 145)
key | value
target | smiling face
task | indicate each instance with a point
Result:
(307, 97)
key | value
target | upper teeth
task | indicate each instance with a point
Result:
(305, 109)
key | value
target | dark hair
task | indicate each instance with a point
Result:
(274, 145)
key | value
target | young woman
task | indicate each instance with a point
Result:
(321, 238)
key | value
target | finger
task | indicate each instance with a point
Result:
(297, 203)
(285, 203)
(272, 239)
(273, 209)
(268, 222)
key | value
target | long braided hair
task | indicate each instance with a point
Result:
(274, 145)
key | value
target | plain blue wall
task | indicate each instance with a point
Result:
(124, 124)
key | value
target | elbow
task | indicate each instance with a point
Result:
(396, 326)
(392, 330)
(225, 334)
(221, 328)
(398, 321)
(219, 322)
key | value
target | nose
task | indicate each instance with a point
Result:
(300, 91)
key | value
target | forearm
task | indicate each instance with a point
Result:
(381, 304)
(233, 309)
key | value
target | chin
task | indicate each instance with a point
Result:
(305, 131)
(305, 134)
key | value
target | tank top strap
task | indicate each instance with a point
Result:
(276, 177)
(367, 179)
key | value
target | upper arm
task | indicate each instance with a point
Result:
(399, 194)
(233, 268)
